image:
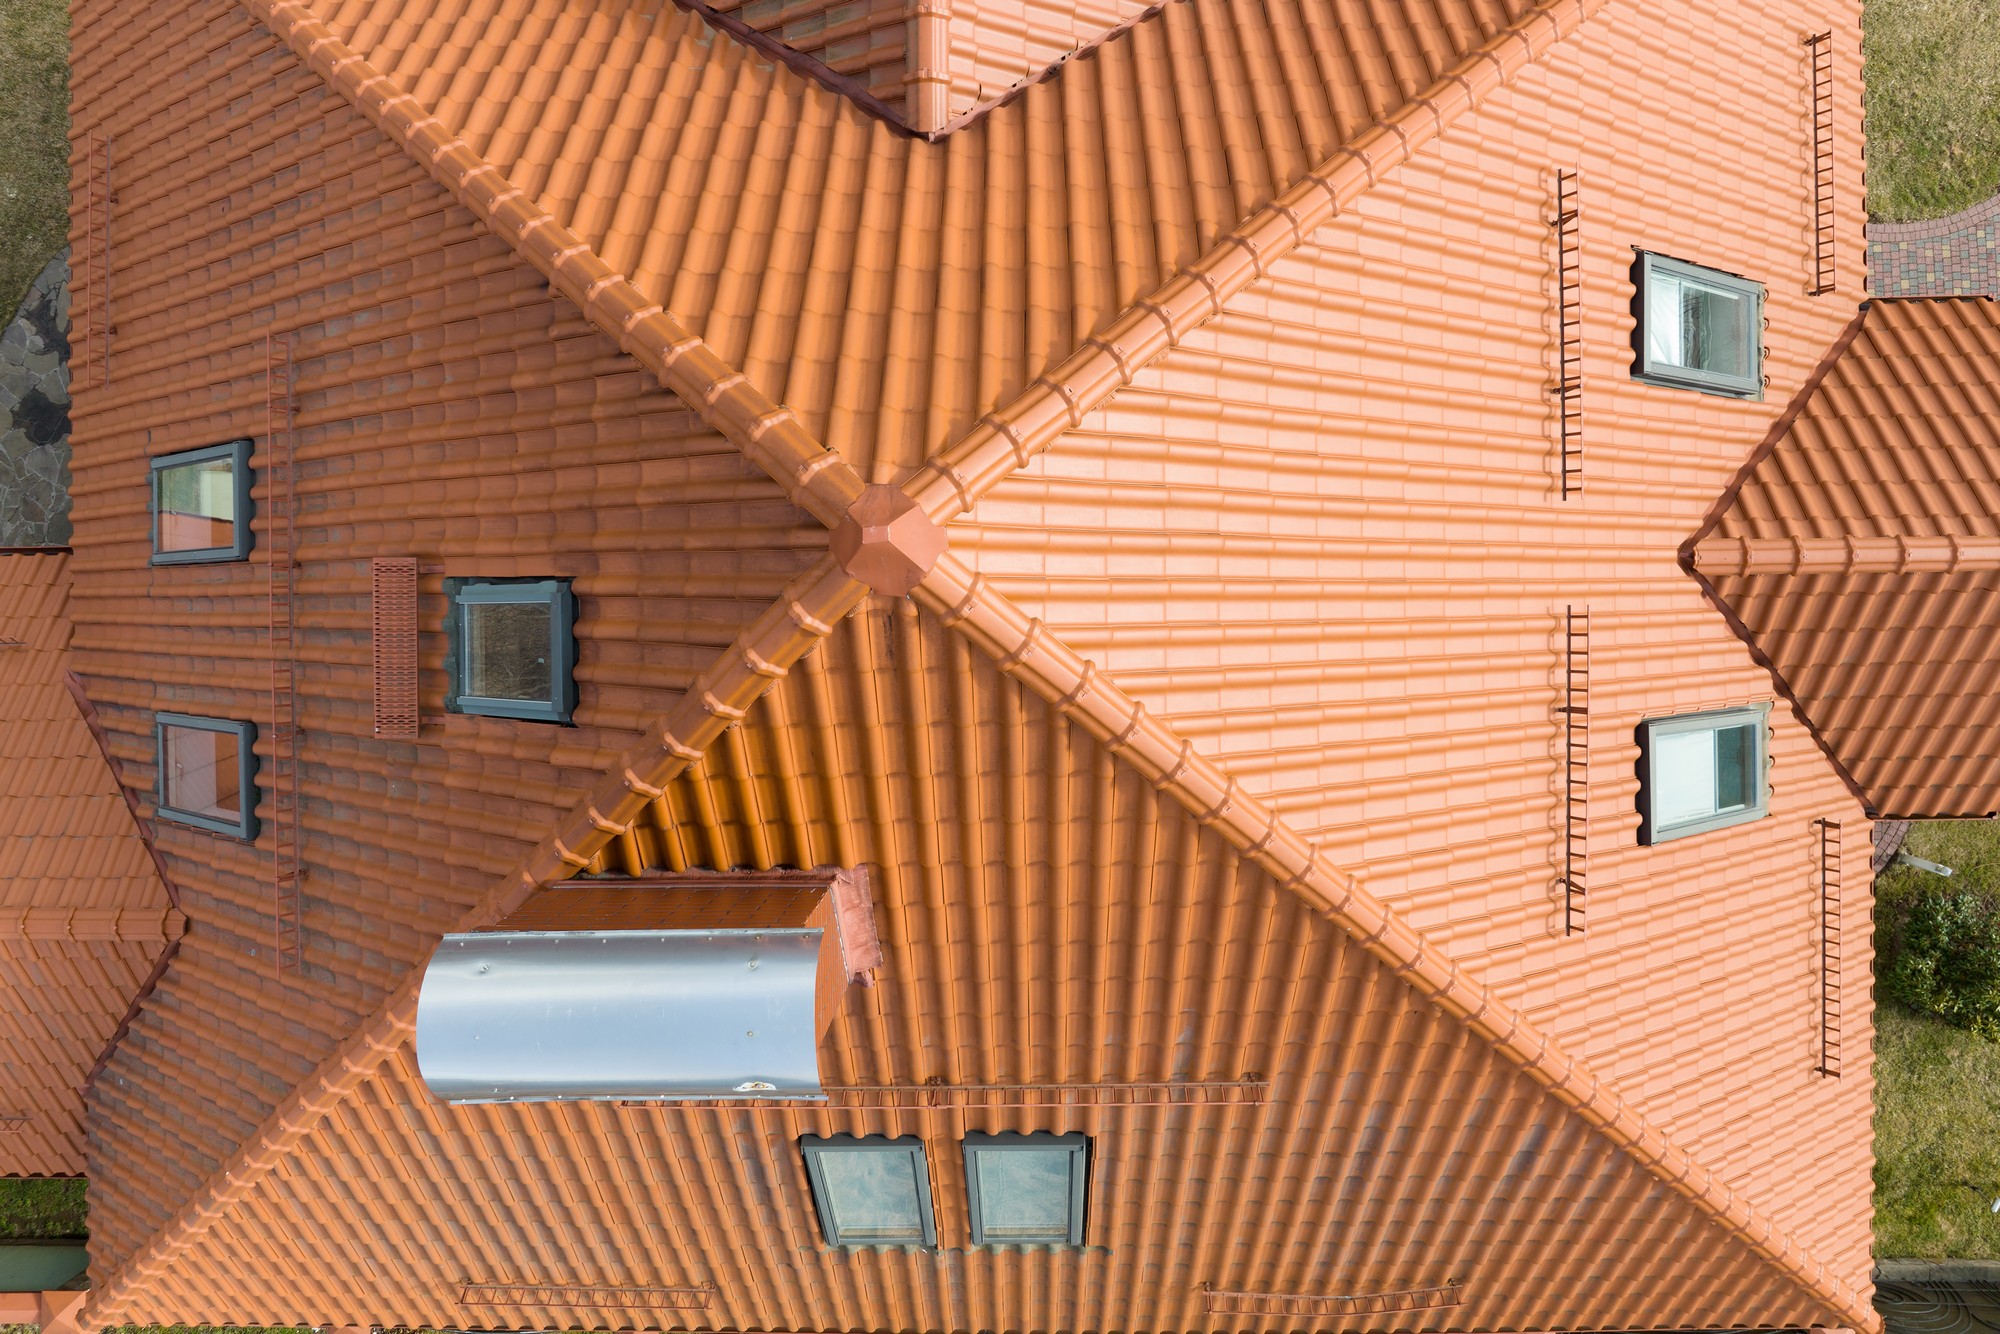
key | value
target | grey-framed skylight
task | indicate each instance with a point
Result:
(1703, 771)
(201, 505)
(1027, 1189)
(511, 648)
(207, 773)
(870, 1190)
(1698, 328)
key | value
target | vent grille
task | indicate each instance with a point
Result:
(394, 632)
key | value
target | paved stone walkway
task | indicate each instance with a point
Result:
(34, 415)
(1954, 256)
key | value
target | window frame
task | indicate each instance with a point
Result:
(1078, 1145)
(460, 593)
(238, 453)
(1647, 371)
(1711, 720)
(814, 1147)
(244, 828)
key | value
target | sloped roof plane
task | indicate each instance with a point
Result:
(1856, 555)
(1365, 1136)
(1272, 192)
(84, 915)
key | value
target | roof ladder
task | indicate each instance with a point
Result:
(1568, 389)
(1829, 948)
(1575, 711)
(96, 254)
(1819, 49)
(280, 536)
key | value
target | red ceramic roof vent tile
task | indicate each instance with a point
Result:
(886, 542)
(395, 643)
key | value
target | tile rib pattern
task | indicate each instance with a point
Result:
(1398, 1151)
(891, 290)
(439, 385)
(759, 837)
(354, 73)
(1857, 552)
(83, 915)
(1320, 540)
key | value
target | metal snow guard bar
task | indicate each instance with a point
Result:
(559, 1016)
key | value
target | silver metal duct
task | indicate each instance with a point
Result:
(546, 1016)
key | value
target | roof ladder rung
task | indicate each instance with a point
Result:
(1829, 947)
(1568, 387)
(287, 872)
(1819, 52)
(1575, 713)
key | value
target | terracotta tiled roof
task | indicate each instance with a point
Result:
(83, 914)
(1857, 552)
(891, 291)
(889, 329)
(1549, 1221)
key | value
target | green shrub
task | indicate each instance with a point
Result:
(1941, 954)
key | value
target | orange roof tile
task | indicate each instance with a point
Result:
(894, 359)
(1855, 551)
(83, 914)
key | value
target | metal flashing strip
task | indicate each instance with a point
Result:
(587, 1296)
(557, 1016)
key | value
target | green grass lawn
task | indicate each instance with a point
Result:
(1937, 1092)
(1933, 72)
(1937, 1140)
(41, 1207)
(34, 148)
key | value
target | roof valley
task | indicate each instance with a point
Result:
(822, 481)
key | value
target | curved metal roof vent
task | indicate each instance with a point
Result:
(545, 1016)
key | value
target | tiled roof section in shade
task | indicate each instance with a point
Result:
(1386, 1146)
(83, 915)
(868, 42)
(891, 290)
(1859, 554)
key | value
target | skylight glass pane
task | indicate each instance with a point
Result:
(872, 1195)
(197, 505)
(1684, 777)
(1664, 325)
(1735, 762)
(1715, 329)
(204, 772)
(1024, 1194)
(507, 647)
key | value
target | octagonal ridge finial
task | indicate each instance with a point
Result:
(887, 542)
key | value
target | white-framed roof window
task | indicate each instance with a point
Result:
(1703, 771)
(1698, 328)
